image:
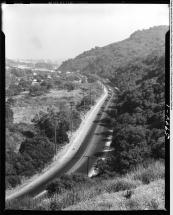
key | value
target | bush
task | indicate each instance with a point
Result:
(153, 171)
(37, 90)
(68, 183)
(147, 177)
(34, 154)
(12, 180)
(128, 194)
(132, 204)
(120, 184)
(153, 204)
(47, 121)
(13, 90)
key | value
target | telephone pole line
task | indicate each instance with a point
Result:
(90, 96)
(71, 118)
(83, 89)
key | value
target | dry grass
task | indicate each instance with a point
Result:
(127, 193)
(116, 185)
(144, 197)
(27, 107)
(143, 189)
(149, 172)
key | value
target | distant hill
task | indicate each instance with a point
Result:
(124, 61)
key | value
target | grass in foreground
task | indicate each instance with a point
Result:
(141, 189)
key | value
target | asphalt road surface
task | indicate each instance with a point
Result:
(88, 143)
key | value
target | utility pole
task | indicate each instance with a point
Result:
(55, 135)
(56, 118)
(90, 96)
(83, 89)
(71, 120)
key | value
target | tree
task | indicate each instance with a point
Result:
(69, 86)
(24, 84)
(53, 124)
(36, 151)
(47, 84)
(130, 147)
(13, 90)
(36, 90)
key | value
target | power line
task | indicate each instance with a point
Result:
(71, 118)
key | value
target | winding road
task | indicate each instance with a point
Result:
(87, 143)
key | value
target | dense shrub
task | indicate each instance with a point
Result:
(119, 185)
(139, 121)
(152, 171)
(37, 90)
(13, 90)
(48, 121)
(12, 180)
(67, 183)
(39, 150)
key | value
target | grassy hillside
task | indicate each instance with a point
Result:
(123, 61)
(142, 188)
(129, 178)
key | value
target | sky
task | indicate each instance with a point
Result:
(63, 31)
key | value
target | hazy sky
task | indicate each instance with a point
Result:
(61, 31)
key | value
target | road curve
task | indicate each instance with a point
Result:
(93, 145)
(64, 164)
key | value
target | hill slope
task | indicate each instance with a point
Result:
(141, 189)
(121, 61)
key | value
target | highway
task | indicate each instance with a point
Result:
(94, 143)
(88, 142)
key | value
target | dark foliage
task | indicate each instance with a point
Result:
(13, 90)
(53, 123)
(37, 90)
(139, 121)
(67, 183)
(123, 62)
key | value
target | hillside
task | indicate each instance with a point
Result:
(140, 189)
(132, 175)
(121, 61)
(145, 197)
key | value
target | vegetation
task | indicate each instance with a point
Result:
(137, 67)
(30, 147)
(25, 155)
(8, 114)
(34, 145)
(13, 90)
(121, 61)
(68, 183)
(77, 192)
(139, 123)
(51, 122)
